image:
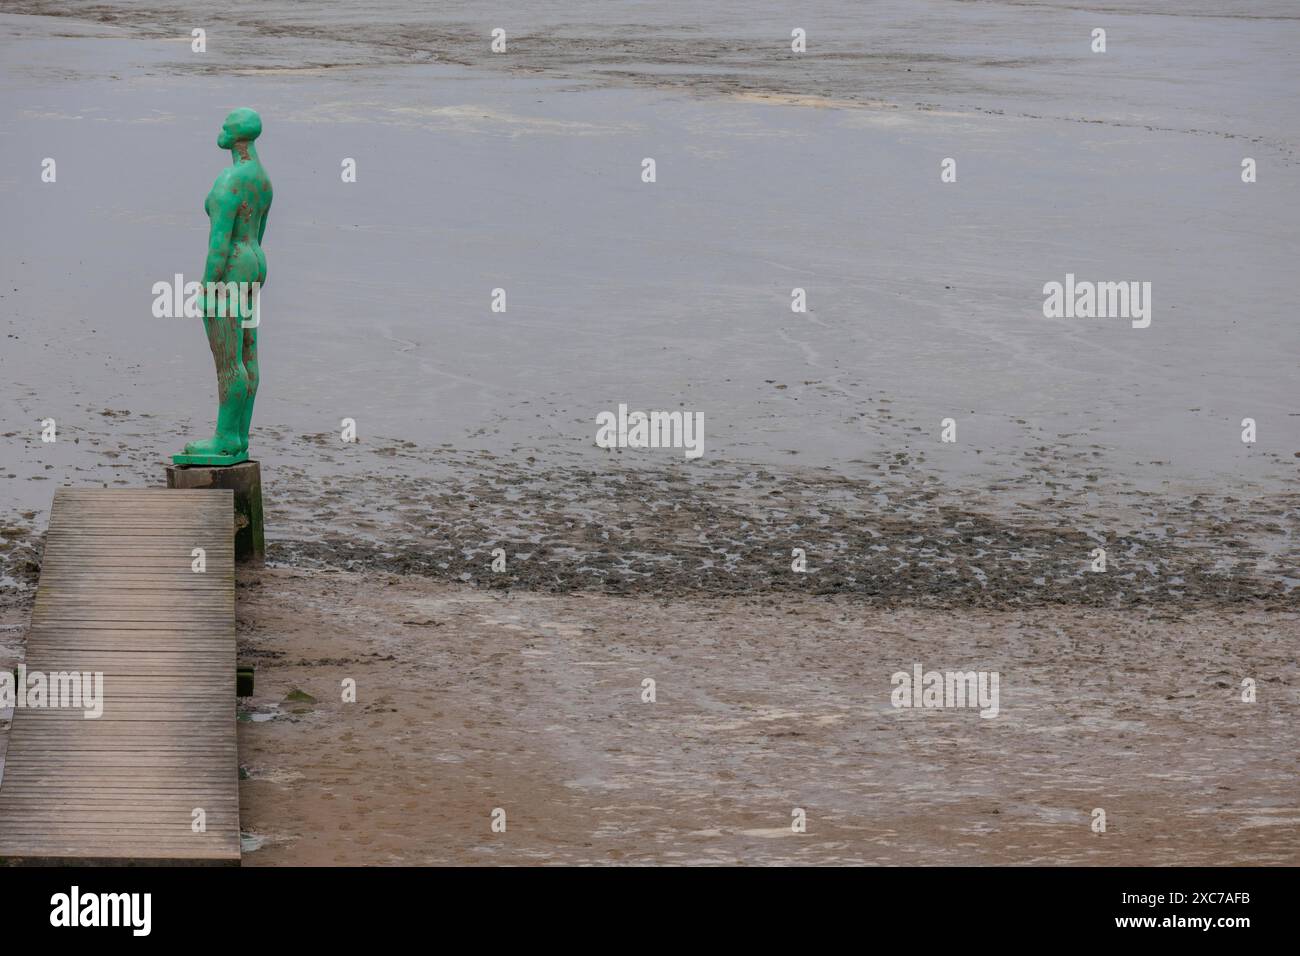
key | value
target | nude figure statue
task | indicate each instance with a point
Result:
(237, 207)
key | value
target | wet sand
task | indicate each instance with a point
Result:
(468, 701)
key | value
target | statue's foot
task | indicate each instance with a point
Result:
(218, 444)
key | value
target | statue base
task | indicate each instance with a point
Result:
(244, 478)
(218, 461)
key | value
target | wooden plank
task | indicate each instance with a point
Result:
(118, 597)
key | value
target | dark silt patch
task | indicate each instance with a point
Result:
(724, 529)
(20, 558)
(888, 531)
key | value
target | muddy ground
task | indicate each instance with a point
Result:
(899, 536)
(522, 689)
(471, 700)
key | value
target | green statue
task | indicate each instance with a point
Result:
(237, 207)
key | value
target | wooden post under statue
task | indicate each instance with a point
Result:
(245, 480)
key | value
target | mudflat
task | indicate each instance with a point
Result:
(468, 702)
(500, 587)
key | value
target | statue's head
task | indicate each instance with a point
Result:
(241, 126)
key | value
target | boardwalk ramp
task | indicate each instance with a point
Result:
(154, 778)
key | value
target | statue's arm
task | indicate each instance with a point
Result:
(222, 211)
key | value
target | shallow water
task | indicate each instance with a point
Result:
(478, 171)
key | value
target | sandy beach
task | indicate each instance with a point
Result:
(520, 687)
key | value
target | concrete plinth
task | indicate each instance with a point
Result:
(245, 480)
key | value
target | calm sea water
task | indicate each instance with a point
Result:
(774, 171)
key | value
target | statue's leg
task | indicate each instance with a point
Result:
(225, 338)
(250, 371)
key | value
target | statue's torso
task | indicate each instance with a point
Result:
(247, 186)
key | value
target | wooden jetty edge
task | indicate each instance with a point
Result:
(118, 595)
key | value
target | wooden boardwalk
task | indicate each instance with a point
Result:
(118, 595)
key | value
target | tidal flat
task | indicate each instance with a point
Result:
(823, 429)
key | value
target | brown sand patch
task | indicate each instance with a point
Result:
(469, 700)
